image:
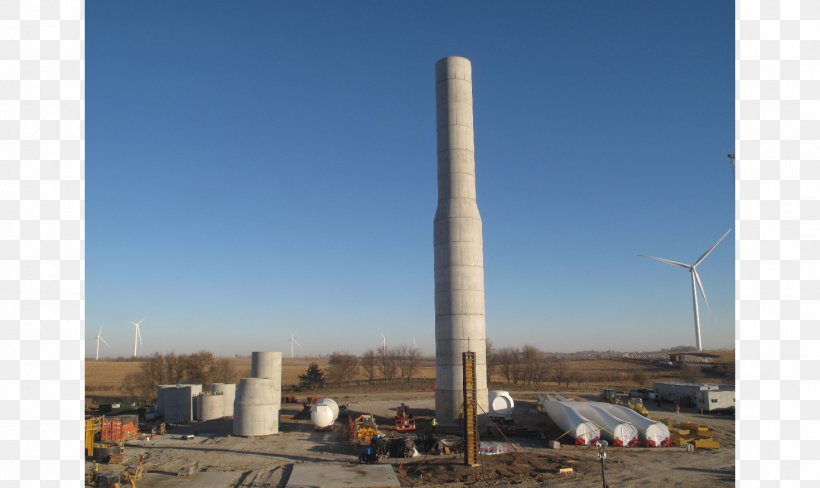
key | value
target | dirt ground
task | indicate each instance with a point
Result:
(268, 461)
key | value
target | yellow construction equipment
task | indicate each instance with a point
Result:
(92, 426)
(363, 429)
(636, 404)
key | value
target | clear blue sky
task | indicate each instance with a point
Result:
(256, 169)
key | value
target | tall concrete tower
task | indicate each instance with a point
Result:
(459, 255)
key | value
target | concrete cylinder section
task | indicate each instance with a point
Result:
(255, 412)
(210, 406)
(269, 365)
(228, 390)
(457, 241)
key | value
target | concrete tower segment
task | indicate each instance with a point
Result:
(457, 241)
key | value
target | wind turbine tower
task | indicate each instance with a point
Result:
(292, 342)
(99, 338)
(696, 283)
(137, 335)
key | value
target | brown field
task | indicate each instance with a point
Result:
(104, 379)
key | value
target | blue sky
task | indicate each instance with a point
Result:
(258, 169)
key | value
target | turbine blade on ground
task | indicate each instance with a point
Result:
(700, 259)
(667, 261)
(702, 291)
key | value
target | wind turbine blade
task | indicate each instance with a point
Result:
(700, 259)
(139, 335)
(297, 343)
(105, 342)
(667, 261)
(100, 332)
(702, 291)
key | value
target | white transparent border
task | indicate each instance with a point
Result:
(777, 187)
(41, 242)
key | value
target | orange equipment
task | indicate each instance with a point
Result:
(404, 419)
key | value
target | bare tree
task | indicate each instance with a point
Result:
(387, 363)
(640, 377)
(342, 367)
(507, 359)
(491, 359)
(531, 360)
(408, 360)
(369, 363)
(561, 372)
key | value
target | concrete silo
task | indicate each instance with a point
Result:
(255, 412)
(228, 392)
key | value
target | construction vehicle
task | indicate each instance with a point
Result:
(608, 395)
(133, 471)
(404, 419)
(107, 480)
(363, 430)
(636, 404)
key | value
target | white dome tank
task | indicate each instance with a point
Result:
(324, 413)
(501, 403)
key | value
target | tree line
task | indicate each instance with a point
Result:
(401, 363)
(169, 369)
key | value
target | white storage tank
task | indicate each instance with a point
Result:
(210, 406)
(228, 390)
(324, 413)
(501, 404)
(255, 412)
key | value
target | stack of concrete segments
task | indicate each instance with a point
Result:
(161, 390)
(210, 406)
(178, 404)
(255, 412)
(269, 365)
(228, 392)
(258, 399)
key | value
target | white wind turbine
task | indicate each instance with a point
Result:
(99, 338)
(292, 342)
(696, 283)
(384, 345)
(137, 334)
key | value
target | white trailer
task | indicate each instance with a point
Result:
(711, 400)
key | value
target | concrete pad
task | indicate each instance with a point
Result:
(340, 475)
(221, 479)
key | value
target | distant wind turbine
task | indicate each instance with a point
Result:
(99, 338)
(384, 344)
(292, 342)
(696, 283)
(137, 335)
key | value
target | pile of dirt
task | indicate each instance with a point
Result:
(497, 470)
